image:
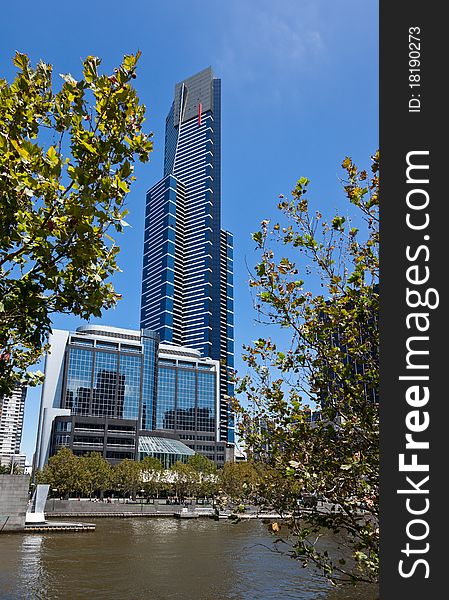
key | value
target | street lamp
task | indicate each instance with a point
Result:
(141, 499)
(54, 490)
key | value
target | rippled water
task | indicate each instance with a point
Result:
(158, 559)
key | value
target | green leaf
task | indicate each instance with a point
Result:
(21, 60)
(87, 146)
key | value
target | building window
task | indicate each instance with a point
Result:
(109, 345)
(106, 386)
(130, 371)
(79, 381)
(183, 363)
(63, 426)
(112, 454)
(166, 389)
(166, 361)
(185, 417)
(82, 341)
(206, 402)
(62, 440)
(127, 348)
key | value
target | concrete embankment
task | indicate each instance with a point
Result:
(84, 508)
(13, 501)
(118, 509)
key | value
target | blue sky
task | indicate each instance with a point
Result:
(299, 93)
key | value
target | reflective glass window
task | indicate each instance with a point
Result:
(148, 385)
(206, 401)
(79, 381)
(129, 394)
(166, 388)
(186, 399)
(107, 385)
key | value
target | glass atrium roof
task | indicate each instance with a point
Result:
(152, 445)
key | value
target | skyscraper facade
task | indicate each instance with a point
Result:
(187, 283)
(11, 424)
(99, 391)
(122, 393)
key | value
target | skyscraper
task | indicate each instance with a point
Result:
(187, 282)
(11, 424)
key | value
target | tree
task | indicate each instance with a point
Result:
(152, 472)
(185, 479)
(207, 480)
(127, 477)
(66, 164)
(62, 473)
(95, 473)
(12, 469)
(202, 464)
(238, 480)
(330, 362)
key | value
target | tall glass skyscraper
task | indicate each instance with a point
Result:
(187, 283)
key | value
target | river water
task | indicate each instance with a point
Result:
(159, 559)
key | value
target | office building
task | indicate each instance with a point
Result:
(361, 356)
(106, 391)
(188, 400)
(99, 391)
(187, 282)
(11, 424)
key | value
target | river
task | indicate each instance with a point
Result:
(159, 559)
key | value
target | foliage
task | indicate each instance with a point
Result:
(201, 464)
(185, 479)
(206, 485)
(92, 474)
(330, 360)
(62, 473)
(95, 473)
(152, 475)
(127, 477)
(13, 468)
(66, 165)
(238, 480)
(197, 477)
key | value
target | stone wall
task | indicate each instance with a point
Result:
(13, 501)
(72, 506)
(85, 508)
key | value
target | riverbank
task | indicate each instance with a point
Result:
(120, 508)
(73, 508)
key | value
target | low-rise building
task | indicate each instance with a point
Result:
(110, 390)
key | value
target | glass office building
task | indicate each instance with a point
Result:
(99, 391)
(187, 286)
(107, 388)
(188, 400)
